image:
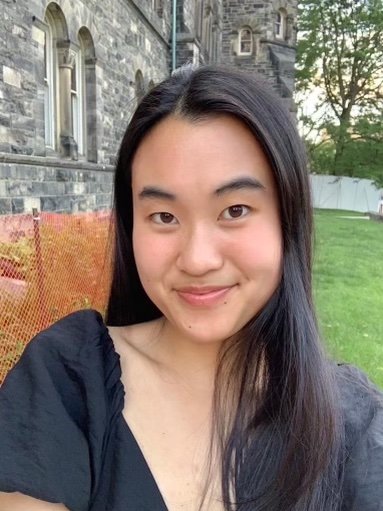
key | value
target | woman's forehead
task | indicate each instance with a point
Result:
(179, 152)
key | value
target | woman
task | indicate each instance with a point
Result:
(229, 402)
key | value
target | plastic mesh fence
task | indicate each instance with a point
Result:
(50, 265)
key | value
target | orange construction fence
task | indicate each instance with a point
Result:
(50, 265)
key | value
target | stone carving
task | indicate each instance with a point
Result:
(66, 57)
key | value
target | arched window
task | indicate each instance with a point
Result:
(245, 41)
(139, 85)
(85, 113)
(60, 83)
(77, 102)
(55, 30)
(210, 37)
(280, 24)
(49, 84)
(199, 18)
(207, 32)
(215, 44)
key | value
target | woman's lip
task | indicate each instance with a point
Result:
(201, 290)
(203, 296)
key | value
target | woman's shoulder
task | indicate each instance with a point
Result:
(361, 400)
(73, 359)
(57, 408)
(355, 386)
(362, 404)
(67, 342)
(72, 332)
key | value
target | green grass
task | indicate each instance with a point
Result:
(348, 289)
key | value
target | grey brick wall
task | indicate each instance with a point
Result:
(63, 187)
(272, 57)
(128, 35)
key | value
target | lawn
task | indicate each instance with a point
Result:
(348, 288)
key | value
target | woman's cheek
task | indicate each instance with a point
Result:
(152, 254)
(261, 241)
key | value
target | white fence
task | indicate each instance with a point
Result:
(354, 194)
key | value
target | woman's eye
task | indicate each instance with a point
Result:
(163, 218)
(237, 211)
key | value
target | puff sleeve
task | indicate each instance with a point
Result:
(363, 476)
(55, 411)
(364, 470)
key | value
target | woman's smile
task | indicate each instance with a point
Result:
(204, 296)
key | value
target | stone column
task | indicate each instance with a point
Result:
(66, 57)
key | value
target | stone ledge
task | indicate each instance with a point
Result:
(275, 42)
(23, 159)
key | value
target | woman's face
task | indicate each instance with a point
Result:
(206, 233)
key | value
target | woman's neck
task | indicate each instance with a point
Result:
(186, 359)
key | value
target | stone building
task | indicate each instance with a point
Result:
(262, 36)
(71, 72)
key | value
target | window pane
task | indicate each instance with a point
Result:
(279, 24)
(74, 78)
(48, 91)
(78, 99)
(75, 117)
(245, 41)
(45, 56)
(245, 47)
(47, 117)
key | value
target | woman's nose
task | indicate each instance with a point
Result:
(200, 253)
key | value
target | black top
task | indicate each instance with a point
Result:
(63, 437)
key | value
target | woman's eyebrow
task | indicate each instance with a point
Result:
(153, 192)
(238, 184)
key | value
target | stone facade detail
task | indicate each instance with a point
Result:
(272, 55)
(71, 73)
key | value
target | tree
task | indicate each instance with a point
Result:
(340, 52)
(362, 154)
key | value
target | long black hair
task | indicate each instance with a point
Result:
(276, 420)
